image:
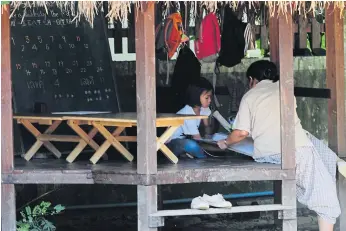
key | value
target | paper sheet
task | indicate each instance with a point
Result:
(245, 147)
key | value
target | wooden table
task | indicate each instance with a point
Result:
(53, 121)
(119, 121)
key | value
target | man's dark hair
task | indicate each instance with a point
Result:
(263, 70)
(195, 90)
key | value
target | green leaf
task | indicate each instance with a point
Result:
(37, 211)
(59, 208)
(5, 2)
(28, 210)
(49, 226)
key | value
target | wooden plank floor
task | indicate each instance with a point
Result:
(58, 171)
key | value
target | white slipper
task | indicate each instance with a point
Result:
(199, 203)
(217, 201)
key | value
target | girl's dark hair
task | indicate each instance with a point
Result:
(195, 90)
(263, 70)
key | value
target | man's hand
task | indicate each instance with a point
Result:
(222, 144)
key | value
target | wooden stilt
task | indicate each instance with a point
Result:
(8, 199)
(146, 111)
(281, 51)
(336, 104)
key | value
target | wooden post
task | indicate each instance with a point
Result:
(336, 84)
(264, 30)
(281, 51)
(273, 39)
(302, 32)
(146, 110)
(8, 205)
(315, 34)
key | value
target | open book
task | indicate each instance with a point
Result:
(245, 147)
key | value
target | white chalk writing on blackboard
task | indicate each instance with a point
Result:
(75, 63)
(28, 73)
(39, 38)
(60, 47)
(47, 47)
(23, 48)
(88, 81)
(18, 66)
(63, 38)
(57, 83)
(86, 45)
(42, 72)
(89, 63)
(55, 72)
(102, 80)
(78, 38)
(47, 63)
(68, 71)
(35, 84)
(34, 65)
(71, 45)
(52, 38)
(27, 39)
(83, 70)
(34, 47)
(61, 63)
(99, 69)
(13, 41)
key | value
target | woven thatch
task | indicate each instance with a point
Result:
(120, 9)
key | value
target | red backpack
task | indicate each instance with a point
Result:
(208, 44)
(169, 35)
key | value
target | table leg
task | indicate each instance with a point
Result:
(110, 140)
(86, 139)
(31, 128)
(103, 148)
(161, 144)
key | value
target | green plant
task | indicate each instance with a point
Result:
(35, 219)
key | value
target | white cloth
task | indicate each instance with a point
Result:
(190, 127)
(316, 178)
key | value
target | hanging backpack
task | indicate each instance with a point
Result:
(187, 70)
(232, 39)
(208, 44)
(169, 36)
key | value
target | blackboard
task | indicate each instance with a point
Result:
(61, 63)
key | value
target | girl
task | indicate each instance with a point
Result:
(259, 117)
(198, 100)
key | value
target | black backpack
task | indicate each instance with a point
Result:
(232, 39)
(187, 70)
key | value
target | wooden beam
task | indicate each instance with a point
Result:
(336, 104)
(281, 53)
(273, 39)
(8, 205)
(315, 33)
(287, 105)
(146, 111)
(146, 90)
(302, 32)
(335, 80)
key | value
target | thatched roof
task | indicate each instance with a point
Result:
(120, 9)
